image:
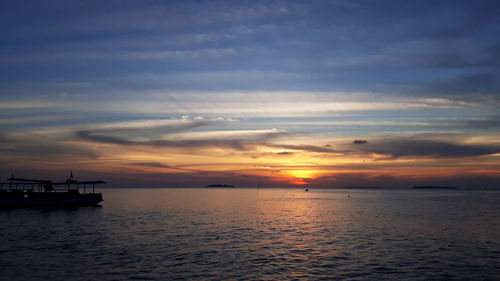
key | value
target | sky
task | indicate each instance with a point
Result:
(251, 93)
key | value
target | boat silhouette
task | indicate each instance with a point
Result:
(19, 192)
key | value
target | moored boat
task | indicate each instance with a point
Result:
(18, 192)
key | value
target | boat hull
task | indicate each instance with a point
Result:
(48, 199)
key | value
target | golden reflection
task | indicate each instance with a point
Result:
(288, 219)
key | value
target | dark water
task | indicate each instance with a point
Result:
(250, 234)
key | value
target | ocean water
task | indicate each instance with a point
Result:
(252, 234)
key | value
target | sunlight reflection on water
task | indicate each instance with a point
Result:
(266, 234)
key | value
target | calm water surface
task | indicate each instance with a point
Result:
(251, 234)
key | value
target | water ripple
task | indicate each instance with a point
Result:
(199, 234)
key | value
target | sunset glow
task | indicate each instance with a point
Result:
(327, 94)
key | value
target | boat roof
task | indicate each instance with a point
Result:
(37, 181)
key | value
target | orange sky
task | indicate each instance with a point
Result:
(273, 157)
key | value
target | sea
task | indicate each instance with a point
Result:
(258, 234)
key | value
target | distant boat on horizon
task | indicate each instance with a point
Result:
(18, 192)
(219, 185)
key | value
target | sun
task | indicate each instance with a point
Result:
(302, 174)
(300, 177)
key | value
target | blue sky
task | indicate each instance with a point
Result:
(282, 75)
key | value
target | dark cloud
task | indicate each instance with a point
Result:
(450, 59)
(4, 137)
(480, 16)
(483, 123)
(151, 164)
(46, 150)
(310, 148)
(112, 135)
(421, 147)
(285, 153)
(186, 179)
(494, 51)
(236, 142)
(469, 84)
(489, 122)
(91, 136)
(158, 129)
(359, 141)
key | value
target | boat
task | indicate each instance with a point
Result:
(19, 192)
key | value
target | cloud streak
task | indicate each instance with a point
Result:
(169, 135)
(43, 148)
(309, 148)
(397, 148)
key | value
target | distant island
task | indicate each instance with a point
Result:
(219, 185)
(361, 187)
(434, 187)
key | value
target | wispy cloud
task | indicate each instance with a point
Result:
(408, 147)
(42, 148)
(246, 104)
(282, 104)
(4, 138)
(151, 164)
(309, 148)
(121, 55)
(27, 104)
(167, 133)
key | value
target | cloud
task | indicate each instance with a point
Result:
(174, 135)
(42, 148)
(122, 55)
(310, 148)
(478, 17)
(284, 153)
(278, 103)
(4, 138)
(40, 119)
(481, 82)
(241, 104)
(151, 164)
(151, 127)
(397, 148)
(483, 123)
(359, 141)
(24, 104)
(92, 136)
(101, 138)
